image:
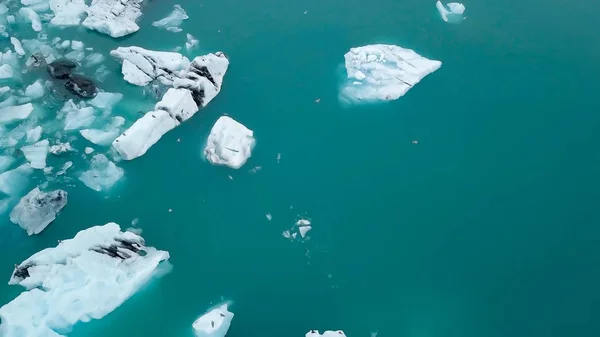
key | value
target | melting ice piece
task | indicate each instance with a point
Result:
(36, 154)
(6, 72)
(204, 77)
(33, 135)
(17, 45)
(106, 100)
(229, 143)
(83, 278)
(173, 20)
(303, 230)
(113, 17)
(64, 168)
(214, 323)
(452, 12)
(77, 117)
(14, 181)
(134, 75)
(161, 65)
(179, 103)
(104, 137)
(93, 60)
(67, 12)
(35, 90)
(191, 42)
(144, 133)
(328, 333)
(102, 174)
(38, 209)
(61, 148)
(30, 16)
(6, 162)
(11, 114)
(383, 72)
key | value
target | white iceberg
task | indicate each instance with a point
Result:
(104, 137)
(14, 181)
(179, 103)
(11, 114)
(77, 116)
(113, 17)
(67, 12)
(29, 15)
(83, 278)
(134, 75)
(17, 45)
(144, 133)
(36, 154)
(173, 20)
(328, 333)
(102, 175)
(229, 143)
(452, 12)
(190, 42)
(383, 72)
(214, 323)
(161, 65)
(38, 209)
(61, 148)
(204, 77)
(35, 90)
(6, 72)
(33, 135)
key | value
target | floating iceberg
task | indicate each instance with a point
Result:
(113, 17)
(102, 175)
(214, 323)
(134, 75)
(35, 90)
(11, 114)
(383, 72)
(104, 137)
(61, 148)
(77, 116)
(33, 135)
(83, 278)
(36, 154)
(161, 65)
(452, 12)
(13, 182)
(17, 45)
(190, 42)
(193, 90)
(30, 15)
(173, 20)
(328, 333)
(37, 209)
(229, 143)
(67, 12)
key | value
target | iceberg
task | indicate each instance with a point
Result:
(67, 12)
(83, 278)
(14, 181)
(6, 72)
(38, 209)
(6, 162)
(328, 333)
(452, 12)
(102, 175)
(383, 72)
(190, 42)
(179, 103)
(161, 65)
(104, 137)
(113, 17)
(173, 20)
(30, 15)
(229, 143)
(106, 100)
(77, 117)
(204, 77)
(35, 90)
(36, 154)
(11, 114)
(214, 323)
(17, 45)
(134, 75)
(33, 135)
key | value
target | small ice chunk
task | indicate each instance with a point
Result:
(102, 174)
(191, 42)
(214, 323)
(6, 162)
(11, 114)
(303, 222)
(328, 333)
(173, 20)
(269, 216)
(134, 75)
(38, 209)
(6, 72)
(36, 154)
(303, 230)
(106, 100)
(104, 137)
(77, 45)
(17, 45)
(229, 143)
(61, 148)
(4, 90)
(34, 134)
(75, 55)
(452, 12)
(64, 168)
(88, 150)
(14, 181)
(67, 12)
(113, 17)
(35, 90)
(93, 60)
(30, 16)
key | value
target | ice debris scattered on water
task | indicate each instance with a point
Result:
(383, 72)
(83, 278)
(191, 42)
(38, 209)
(453, 12)
(214, 323)
(301, 227)
(229, 143)
(173, 20)
(102, 175)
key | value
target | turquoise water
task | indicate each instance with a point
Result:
(487, 227)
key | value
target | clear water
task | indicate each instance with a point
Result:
(487, 227)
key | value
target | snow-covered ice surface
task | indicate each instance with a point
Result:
(229, 143)
(382, 72)
(214, 323)
(38, 209)
(161, 65)
(116, 18)
(453, 12)
(83, 278)
(173, 20)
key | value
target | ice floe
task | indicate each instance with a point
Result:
(17, 45)
(102, 175)
(67, 12)
(173, 20)
(83, 278)
(104, 137)
(61, 148)
(6, 71)
(38, 209)
(35, 90)
(134, 75)
(229, 143)
(33, 135)
(383, 72)
(31, 16)
(36, 154)
(328, 333)
(453, 12)
(116, 18)
(190, 42)
(214, 323)
(161, 65)
(14, 181)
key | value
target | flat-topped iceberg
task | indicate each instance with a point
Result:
(193, 89)
(214, 323)
(328, 333)
(15, 113)
(383, 72)
(83, 278)
(453, 12)
(161, 65)
(38, 209)
(14, 181)
(229, 143)
(36, 154)
(113, 17)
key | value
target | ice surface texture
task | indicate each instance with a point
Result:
(328, 333)
(37, 210)
(229, 143)
(102, 175)
(214, 323)
(452, 12)
(383, 72)
(83, 278)
(161, 65)
(113, 17)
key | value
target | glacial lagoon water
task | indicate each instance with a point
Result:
(486, 227)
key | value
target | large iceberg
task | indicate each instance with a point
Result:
(453, 12)
(38, 209)
(229, 143)
(383, 72)
(214, 323)
(193, 89)
(113, 17)
(161, 65)
(83, 278)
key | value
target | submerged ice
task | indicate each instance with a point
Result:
(173, 20)
(453, 12)
(83, 278)
(214, 323)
